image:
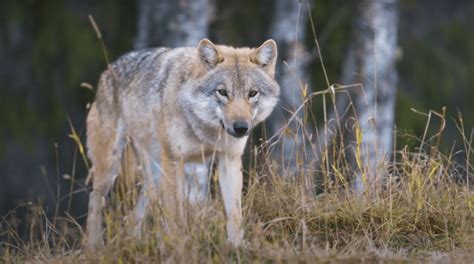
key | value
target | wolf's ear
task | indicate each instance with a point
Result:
(265, 56)
(209, 54)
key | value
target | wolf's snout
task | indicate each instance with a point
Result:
(241, 128)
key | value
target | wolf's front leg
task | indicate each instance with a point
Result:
(230, 182)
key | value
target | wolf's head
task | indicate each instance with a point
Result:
(236, 88)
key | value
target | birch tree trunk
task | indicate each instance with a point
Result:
(374, 51)
(171, 23)
(289, 31)
(177, 23)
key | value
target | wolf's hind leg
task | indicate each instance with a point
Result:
(96, 204)
(105, 152)
(148, 193)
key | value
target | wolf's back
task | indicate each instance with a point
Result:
(137, 76)
(136, 65)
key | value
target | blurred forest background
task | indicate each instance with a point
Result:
(48, 48)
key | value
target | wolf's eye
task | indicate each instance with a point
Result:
(253, 93)
(222, 92)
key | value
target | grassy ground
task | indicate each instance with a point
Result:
(420, 213)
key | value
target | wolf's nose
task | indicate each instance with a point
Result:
(241, 128)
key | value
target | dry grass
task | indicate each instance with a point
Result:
(421, 212)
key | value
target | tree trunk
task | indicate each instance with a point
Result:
(288, 30)
(374, 48)
(171, 23)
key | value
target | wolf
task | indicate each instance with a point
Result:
(178, 106)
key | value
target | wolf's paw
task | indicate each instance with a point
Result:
(235, 237)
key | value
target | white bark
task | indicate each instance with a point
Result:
(171, 23)
(289, 31)
(375, 53)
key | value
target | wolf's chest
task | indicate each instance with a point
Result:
(184, 145)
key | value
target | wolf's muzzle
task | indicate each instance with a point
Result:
(241, 128)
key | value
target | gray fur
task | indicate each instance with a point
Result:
(166, 101)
